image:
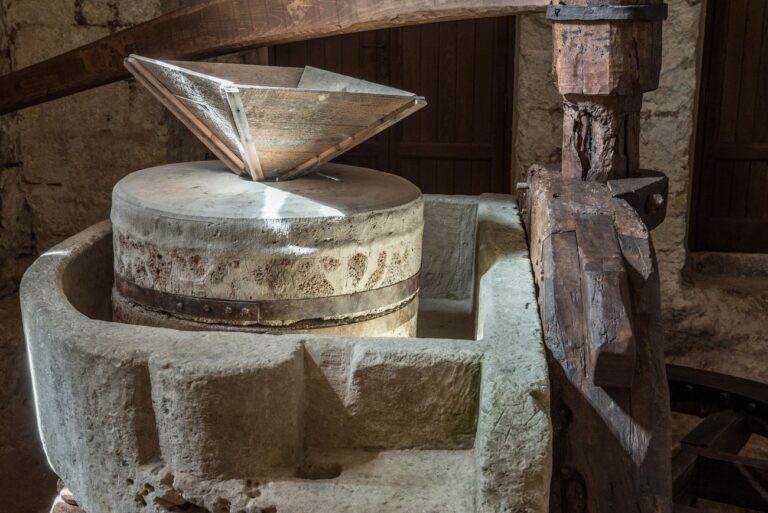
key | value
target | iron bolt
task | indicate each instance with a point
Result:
(655, 201)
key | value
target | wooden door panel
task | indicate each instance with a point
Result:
(730, 182)
(458, 143)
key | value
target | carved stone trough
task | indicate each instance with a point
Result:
(147, 419)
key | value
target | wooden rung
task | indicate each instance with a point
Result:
(732, 479)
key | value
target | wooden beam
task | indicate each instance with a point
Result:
(219, 27)
(602, 66)
(608, 312)
(699, 392)
(599, 290)
(683, 478)
(723, 431)
(732, 479)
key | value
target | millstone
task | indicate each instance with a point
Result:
(338, 251)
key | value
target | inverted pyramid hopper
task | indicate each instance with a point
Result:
(272, 122)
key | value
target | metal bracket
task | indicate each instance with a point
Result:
(253, 312)
(647, 194)
(655, 12)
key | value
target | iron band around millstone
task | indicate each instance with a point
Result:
(252, 312)
(655, 12)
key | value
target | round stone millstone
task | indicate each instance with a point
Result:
(196, 245)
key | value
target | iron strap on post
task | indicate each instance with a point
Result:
(252, 312)
(656, 12)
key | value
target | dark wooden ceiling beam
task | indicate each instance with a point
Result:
(219, 27)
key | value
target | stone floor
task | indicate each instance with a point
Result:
(720, 323)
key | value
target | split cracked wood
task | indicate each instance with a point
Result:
(602, 68)
(600, 306)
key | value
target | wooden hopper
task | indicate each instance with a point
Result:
(273, 122)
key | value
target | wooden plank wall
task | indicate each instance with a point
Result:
(459, 143)
(730, 190)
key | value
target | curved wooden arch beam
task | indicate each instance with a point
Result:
(219, 27)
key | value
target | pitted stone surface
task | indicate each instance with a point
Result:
(160, 420)
(197, 229)
(251, 396)
(436, 393)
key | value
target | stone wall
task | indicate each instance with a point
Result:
(716, 322)
(58, 163)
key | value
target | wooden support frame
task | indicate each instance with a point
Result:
(598, 289)
(707, 464)
(588, 228)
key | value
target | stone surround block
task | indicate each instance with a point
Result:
(252, 395)
(414, 396)
(145, 419)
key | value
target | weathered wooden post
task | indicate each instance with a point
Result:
(595, 265)
(605, 58)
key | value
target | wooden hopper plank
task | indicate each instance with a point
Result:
(323, 124)
(204, 97)
(186, 116)
(246, 74)
(365, 134)
(284, 106)
(275, 131)
(322, 80)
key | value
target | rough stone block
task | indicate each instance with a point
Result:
(232, 413)
(139, 418)
(454, 224)
(326, 367)
(416, 396)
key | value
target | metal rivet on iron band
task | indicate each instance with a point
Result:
(206, 308)
(655, 12)
(179, 305)
(244, 311)
(228, 310)
(655, 201)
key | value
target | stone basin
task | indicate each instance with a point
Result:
(146, 419)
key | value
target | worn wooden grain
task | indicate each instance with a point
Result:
(601, 137)
(187, 112)
(602, 68)
(219, 27)
(611, 449)
(608, 312)
(610, 58)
